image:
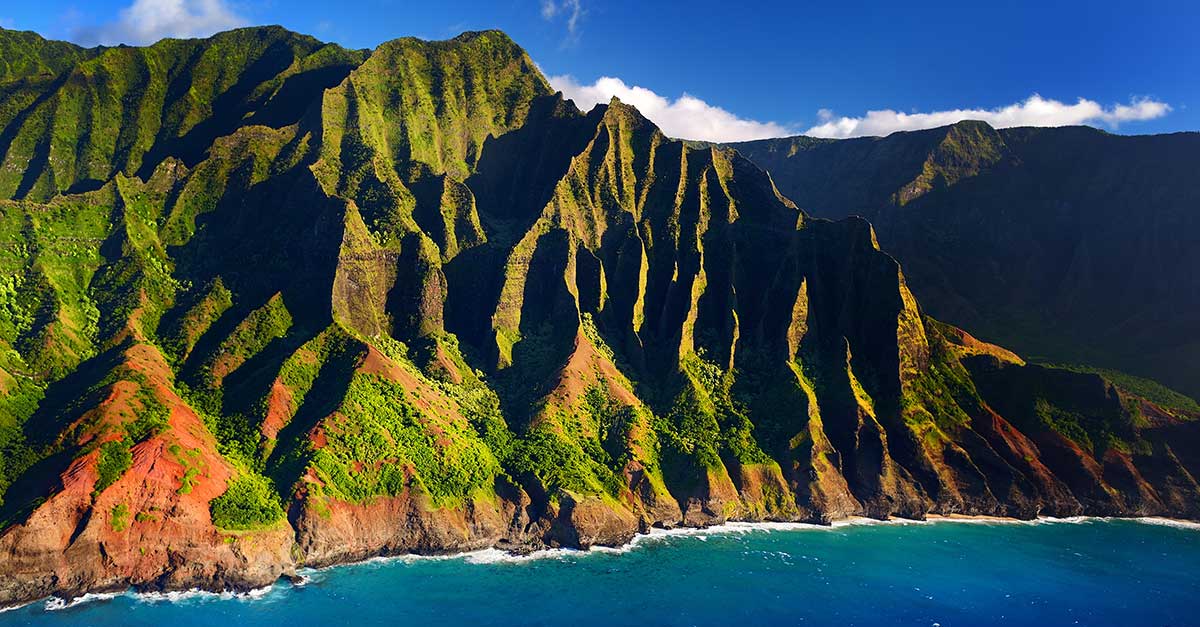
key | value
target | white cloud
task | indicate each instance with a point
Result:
(147, 21)
(686, 117)
(572, 10)
(1034, 111)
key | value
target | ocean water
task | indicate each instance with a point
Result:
(1083, 572)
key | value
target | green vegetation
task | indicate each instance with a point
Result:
(559, 463)
(252, 335)
(481, 407)
(383, 445)
(691, 430)
(118, 518)
(237, 433)
(114, 460)
(939, 395)
(614, 425)
(25, 55)
(1095, 434)
(249, 502)
(299, 372)
(181, 335)
(151, 415)
(706, 420)
(1068, 423)
(121, 111)
(19, 398)
(443, 100)
(192, 464)
(383, 273)
(188, 480)
(1152, 391)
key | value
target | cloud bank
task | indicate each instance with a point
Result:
(685, 117)
(1034, 111)
(688, 117)
(147, 21)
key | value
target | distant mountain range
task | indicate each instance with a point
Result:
(271, 303)
(1070, 245)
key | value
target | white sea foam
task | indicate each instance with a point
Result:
(1170, 522)
(196, 594)
(54, 604)
(497, 556)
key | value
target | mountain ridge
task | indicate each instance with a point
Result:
(1030, 249)
(442, 309)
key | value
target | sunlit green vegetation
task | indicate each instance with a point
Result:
(249, 502)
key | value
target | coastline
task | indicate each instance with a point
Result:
(494, 555)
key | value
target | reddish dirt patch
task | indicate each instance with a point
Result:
(317, 437)
(442, 363)
(968, 344)
(139, 528)
(279, 410)
(585, 368)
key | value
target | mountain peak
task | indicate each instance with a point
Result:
(28, 54)
(480, 39)
(971, 124)
(494, 34)
(617, 109)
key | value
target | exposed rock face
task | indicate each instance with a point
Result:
(437, 308)
(397, 525)
(146, 528)
(1069, 244)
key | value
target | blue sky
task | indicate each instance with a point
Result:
(726, 70)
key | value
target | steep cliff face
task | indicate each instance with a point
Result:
(124, 497)
(1068, 244)
(74, 118)
(440, 308)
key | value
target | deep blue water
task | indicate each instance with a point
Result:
(946, 573)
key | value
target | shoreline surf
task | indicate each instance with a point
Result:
(493, 555)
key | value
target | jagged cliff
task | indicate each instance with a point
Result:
(1068, 244)
(336, 304)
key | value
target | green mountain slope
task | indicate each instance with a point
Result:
(27, 56)
(418, 302)
(1068, 244)
(125, 109)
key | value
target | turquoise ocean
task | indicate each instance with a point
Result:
(947, 573)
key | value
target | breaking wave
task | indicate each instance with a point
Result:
(55, 604)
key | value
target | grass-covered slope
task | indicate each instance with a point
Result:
(1070, 245)
(410, 300)
(123, 110)
(27, 56)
